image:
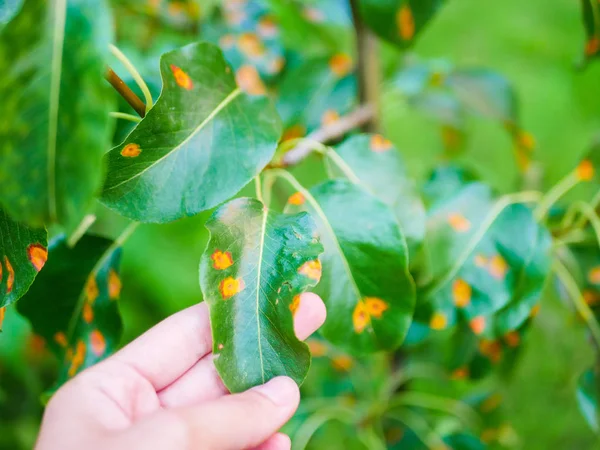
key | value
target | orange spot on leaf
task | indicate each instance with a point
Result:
(342, 363)
(380, 144)
(97, 343)
(592, 46)
(221, 260)
(293, 132)
(267, 27)
(341, 64)
(296, 199)
(498, 267)
(461, 373)
(91, 289)
(512, 338)
(459, 222)
(250, 45)
(594, 275)
(477, 324)
(591, 297)
(375, 306)
(317, 348)
(249, 80)
(114, 285)
(231, 286)
(585, 170)
(405, 22)
(131, 150)
(61, 339)
(295, 304)
(182, 78)
(438, 321)
(535, 310)
(77, 358)
(481, 260)
(360, 317)
(87, 313)
(329, 117)
(2, 312)
(10, 278)
(490, 403)
(491, 350)
(461, 293)
(38, 255)
(311, 269)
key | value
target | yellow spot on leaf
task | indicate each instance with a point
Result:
(61, 339)
(10, 278)
(461, 293)
(38, 255)
(512, 338)
(341, 64)
(594, 275)
(77, 359)
(131, 151)
(311, 269)
(375, 306)
(251, 45)
(380, 144)
(461, 373)
(459, 222)
(481, 260)
(296, 199)
(343, 363)
(97, 343)
(295, 304)
(114, 285)
(2, 312)
(405, 22)
(220, 347)
(249, 80)
(329, 117)
(221, 260)
(276, 65)
(91, 289)
(293, 132)
(491, 350)
(317, 348)
(438, 321)
(231, 286)
(360, 317)
(585, 170)
(88, 313)
(477, 324)
(181, 78)
(498, 267)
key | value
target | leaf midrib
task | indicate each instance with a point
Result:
(226, 101)
(258, 281)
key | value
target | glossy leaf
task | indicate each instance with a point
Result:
(23, 253)
(73, 303)
(380, 168)
(369, 293)
(179, 160)
(256, 264)
(399, 21)
(52, 141)
(588, 387)
(316, 93)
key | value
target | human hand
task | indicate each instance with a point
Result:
(162, 392)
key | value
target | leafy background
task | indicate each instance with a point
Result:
(534, 44)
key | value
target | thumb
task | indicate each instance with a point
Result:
(236, 421)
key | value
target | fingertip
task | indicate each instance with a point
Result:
(311, 314)
(279, 441)
(281, 391)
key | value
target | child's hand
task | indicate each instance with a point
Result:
(162, 392)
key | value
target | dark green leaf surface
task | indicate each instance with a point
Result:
(316, 93)
(380, 168)
(23, 253)
(73, 303)
(399, 21)
(53, 137)
(254, 266)
(591, 22)
(369, 293)
(588, 387)
(203, 141)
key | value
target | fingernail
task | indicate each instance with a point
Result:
(280, 390)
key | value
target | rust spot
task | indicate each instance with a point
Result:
(249, 81)
(311, 269)
(267, 27)
(296, 199)
(591, 297)
(481, 260)
(221, 260)
(341, 64)
(2, 312)
(88, 313)
(438, 321)
(343, 363)
(97, 343)
(294, 132)
(592, 46)
(131, 151)
(461, 373)
(534, 311)
(491, 350)
(295, 304)
(477, 324)
(38, 255)
(459, 222)
(360, 317)
(251, 45)
(461, 293)
(375, 306)
(498, 267)
(91, 289)
(594, 275)
(77, 358)
(405, 22)
(329, 117)
(512, 338)
(10, 278)
(231, 286)
(61, 339)
(380, 144)
(490, 403)
(220, 347)
(182, 78)
(276, 65)
(585, 170)
(317, 348)
(114, 285)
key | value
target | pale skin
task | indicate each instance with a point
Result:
(162, 392)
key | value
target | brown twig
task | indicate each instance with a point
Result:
(136, 103)
(339, 128)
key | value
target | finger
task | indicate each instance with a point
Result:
(171, 348)
(237, 421)
(202, 383)
(278, 441)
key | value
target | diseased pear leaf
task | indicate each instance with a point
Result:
(256, 264)
(73, 303)
(53, 137)
(201, 142)
(366, 285)
(588, 387)
(399, 21)
(23, 253)
(380, 168)
(591, 17)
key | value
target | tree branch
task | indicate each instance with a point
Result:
(136, 103)
(338, 129)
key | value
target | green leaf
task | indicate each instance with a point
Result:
(399, 21)
(23, 253)
(380, 168)
(255, 265)
(588, 387)
(316, 93)
(488, 263)
(366, 285)
(591, 22)
(201, 142)
(73, 303)
(8, 9)
(53, 137)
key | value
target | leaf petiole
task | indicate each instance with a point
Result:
(125, 116)
(134, 73)
(554, 194)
